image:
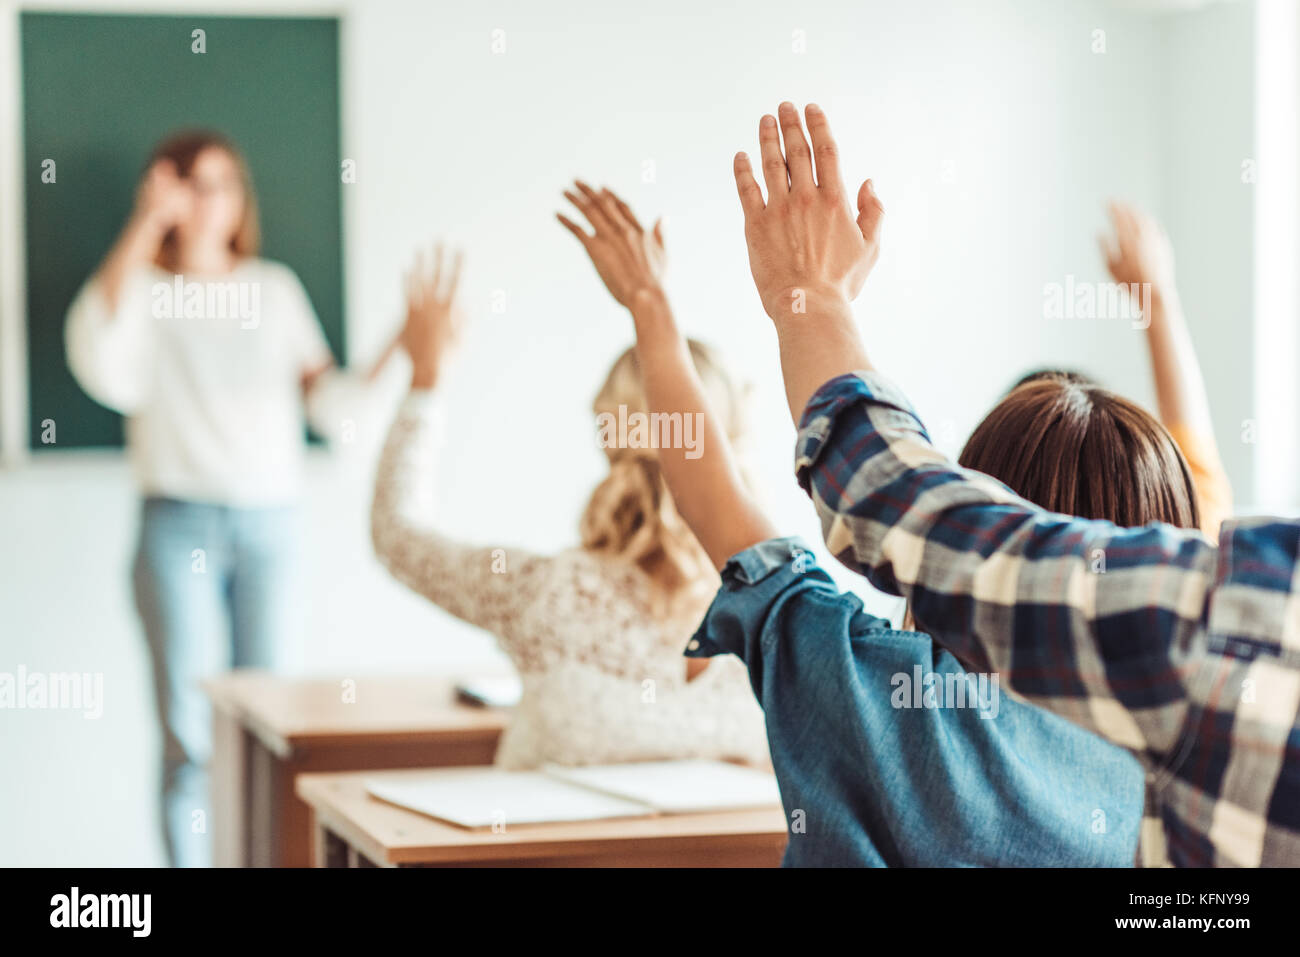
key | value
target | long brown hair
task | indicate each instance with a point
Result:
(1073, 447)
(183, 149)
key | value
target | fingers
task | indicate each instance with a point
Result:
(610, 207)
(825, 151)
(798, 158)
(594, 209)
(574, 228)
(775, 175)
(409, 289)
(791, 169)
(623, 210)
(598, 220)
(608, 215)
(1126, 223)
(415, 284)
(870, 210)
(453, 276)
(436, 281)
(164, 168)
(751, 197)
(1109, 254)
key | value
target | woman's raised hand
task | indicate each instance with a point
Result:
(433, 320)
(164, 198)
(1139, 250)
(805, 246)
(629, 259)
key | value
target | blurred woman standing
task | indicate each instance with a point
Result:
(213, 355)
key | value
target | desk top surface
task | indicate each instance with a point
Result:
(287, 712)
(392, 835)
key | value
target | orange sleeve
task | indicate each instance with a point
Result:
(1213, 490)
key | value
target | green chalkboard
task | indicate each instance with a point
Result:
(99, 92)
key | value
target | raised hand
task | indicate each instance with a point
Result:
(1140, 251)
(164, 198)
(804, 242)
(433, 320)
(630, 260)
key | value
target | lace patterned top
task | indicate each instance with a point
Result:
(599, 656)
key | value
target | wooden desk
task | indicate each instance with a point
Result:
(267, 729)
(353, 829)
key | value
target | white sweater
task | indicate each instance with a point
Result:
(210, 380)
(600, 659)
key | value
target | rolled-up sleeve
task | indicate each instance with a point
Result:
(756, 583)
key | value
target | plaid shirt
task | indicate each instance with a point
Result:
(1184, 653)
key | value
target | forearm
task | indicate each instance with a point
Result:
(342, 402)
(482, 585)
(135, 247)
(705, 482)
(1180, 387)
(817, 344)
(393, 349)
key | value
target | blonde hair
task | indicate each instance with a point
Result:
(631, 514)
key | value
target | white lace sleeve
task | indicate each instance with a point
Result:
(485, 586)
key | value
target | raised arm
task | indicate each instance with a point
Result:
(163, 199)
(1141, 256)
(485, 586)
(107, 335)
(808, 254)
(1093, 621)
(705, 483)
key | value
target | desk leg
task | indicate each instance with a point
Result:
(330, 850)
(227, 773)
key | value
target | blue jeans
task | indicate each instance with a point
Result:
(215, 588)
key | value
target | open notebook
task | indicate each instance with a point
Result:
(488, 797)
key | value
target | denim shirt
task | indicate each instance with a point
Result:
(888, 753)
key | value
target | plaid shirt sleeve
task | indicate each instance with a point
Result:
(1097, 623)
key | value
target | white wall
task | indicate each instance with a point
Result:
(1207, 127)
(991, 129)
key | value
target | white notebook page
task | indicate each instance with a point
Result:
(679, 787)
(487, 797)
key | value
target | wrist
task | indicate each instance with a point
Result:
(1164, 295)
(647, 300)
(149, 225)
(424, 376)
(803, 302)
(650, 312)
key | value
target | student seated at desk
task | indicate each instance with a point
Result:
(873, 772)
(596, 631)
